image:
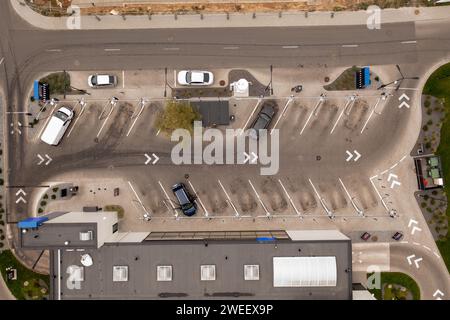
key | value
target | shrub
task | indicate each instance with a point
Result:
(55, 189)
(40, 210)
(45, 196)
(43, 203)
(53, 196)
(427, 103)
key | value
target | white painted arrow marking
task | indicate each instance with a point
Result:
(21, 192)
(395, 183)
(403, 104)
(156, 158)
(21, 200)
(391, 175)
(411, 222)
(403, 96)
(414, 229)
(358, 155)
(49, 159)
(409, 258)
(350, 156)
(255, 158)
(148, 159)
(246, 157)
(438, 293)
(416, 261)
(41, 158)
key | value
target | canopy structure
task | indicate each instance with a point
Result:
(304, 272)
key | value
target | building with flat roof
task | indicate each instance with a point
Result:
(109, 264)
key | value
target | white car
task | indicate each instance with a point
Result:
(57, 126)
(195, 78)
(102, 80)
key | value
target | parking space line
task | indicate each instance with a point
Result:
(83, 106)
(139, 199)
(199, 200)
(289, 197)
(340, 115)
(282, 113)
(259, 198)
(322, 201)
(106, 120)
(229, 199)
(358, 210)
(370, 115)
(307, 120)
(379, 195)
(137, 117)
(251, 115)
(313, 111)
(1, 61)
(48, 119)
(123, 79)
(168, 199)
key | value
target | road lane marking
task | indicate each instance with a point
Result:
(230, 48)
(253, 111)
(282, 113)
(289, 197)
(259, 198)
(53, 50)
(171, 49)
(199, 200)
(350, 45)
(229, 199)
(290, 47)
(123, 79)
(409, 42)
(112, 49)
(1, 61)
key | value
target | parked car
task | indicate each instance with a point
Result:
(57, 126)
(263, 119)
(365, 236)
(186, 201)
(102, 81)
(195, 78)
(397, 236)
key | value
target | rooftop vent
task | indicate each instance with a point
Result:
(251, 272)
(76, 273)
(208, 272)
(120, 273)
(86, 236)
(164, 273)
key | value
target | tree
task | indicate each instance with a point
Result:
(177, 115)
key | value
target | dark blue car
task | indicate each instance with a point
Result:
(185, 200)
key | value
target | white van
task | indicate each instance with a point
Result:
(57, 126)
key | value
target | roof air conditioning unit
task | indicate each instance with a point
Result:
(86, 236)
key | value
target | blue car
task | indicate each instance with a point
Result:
(186, 201)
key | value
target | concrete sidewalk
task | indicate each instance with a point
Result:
(235, 20)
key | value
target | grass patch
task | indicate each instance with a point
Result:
(58, 81)
(177, 115)
(120, 211)
(36, 281)
(397, 278)
(346, 80)
(438, 85)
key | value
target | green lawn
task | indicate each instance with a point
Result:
(399, 279)
(58, 82)
(36, 281)
(438, 85)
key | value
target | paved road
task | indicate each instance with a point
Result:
(25, 53)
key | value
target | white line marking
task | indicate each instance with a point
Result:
(290, 47)
(171, 49)
(106, 120)
(289, 197)
(259, 198)
(112, 49)
(437, 255)
(168, 199)
(409, 42)
(246, 122)
(428, 248)
(350, 45)
(230, 48)
(307, 120)
(123, 79)
(282, 114)
(157, 133)
(76, 120)
(379, 195)
(139, 199)
(1, 61)
(59, 274)
(416, 243)
(199, 200)
(136, 119)
(370, 115)
(340, 115)
(53, 50)
(229, 199)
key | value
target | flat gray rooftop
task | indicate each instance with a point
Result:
(185, 257)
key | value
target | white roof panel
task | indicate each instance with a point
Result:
(304, 272)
